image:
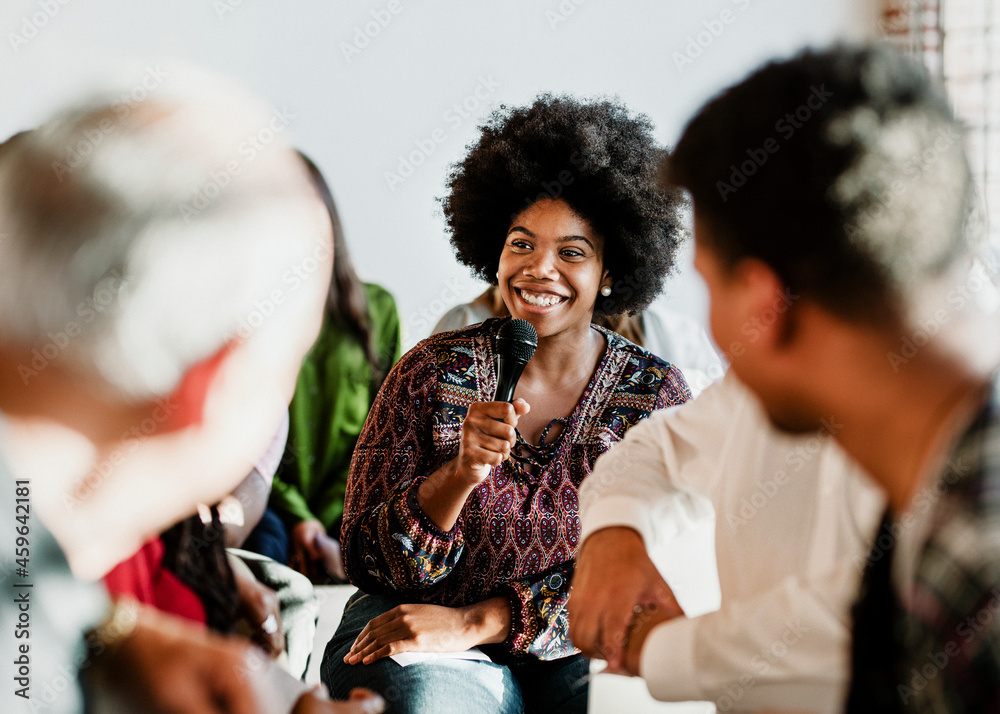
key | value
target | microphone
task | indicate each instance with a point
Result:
(516, 343)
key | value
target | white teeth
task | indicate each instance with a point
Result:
(539, 300)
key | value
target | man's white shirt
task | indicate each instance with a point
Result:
(758, 533)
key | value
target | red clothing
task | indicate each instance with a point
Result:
(144, 578)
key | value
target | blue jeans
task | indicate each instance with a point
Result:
(269, 537)
(507, 685)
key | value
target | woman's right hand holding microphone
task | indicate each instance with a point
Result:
(488, 435)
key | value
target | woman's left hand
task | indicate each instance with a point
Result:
(430, 628)
(259, 606)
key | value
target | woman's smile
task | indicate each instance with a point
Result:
(551, 268)
(539, 298)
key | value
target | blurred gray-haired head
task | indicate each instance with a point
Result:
(140, 238)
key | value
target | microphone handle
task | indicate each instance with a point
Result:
(508, 372)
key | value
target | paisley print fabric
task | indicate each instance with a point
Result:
(519, 530)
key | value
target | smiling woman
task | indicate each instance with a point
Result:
(598, 159)
(462, 514)
(551, 266)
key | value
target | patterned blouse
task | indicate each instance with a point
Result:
(519, 530)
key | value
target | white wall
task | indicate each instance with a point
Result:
(358, 111)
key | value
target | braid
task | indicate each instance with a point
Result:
(196, 554)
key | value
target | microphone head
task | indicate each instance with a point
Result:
(517, 339)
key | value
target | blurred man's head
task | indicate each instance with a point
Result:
(834, 184)
(159, 246)
(164, 270)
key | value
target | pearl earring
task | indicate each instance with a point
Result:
(606, 290)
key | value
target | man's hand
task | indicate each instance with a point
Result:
(305, 556)
(431, 628)
(616, 598)
(643, 622)
(167, 666)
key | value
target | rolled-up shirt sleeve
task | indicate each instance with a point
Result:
(783, 645)
(786, 647)
(639, 484)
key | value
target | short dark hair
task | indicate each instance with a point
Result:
(595, 156)
(842, 169)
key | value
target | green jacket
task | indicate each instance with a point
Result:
(335, 390)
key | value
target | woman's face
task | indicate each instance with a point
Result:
(552, 268)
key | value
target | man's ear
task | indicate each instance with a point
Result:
(767, 305)
(192, 392)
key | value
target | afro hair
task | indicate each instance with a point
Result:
(595, 156)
